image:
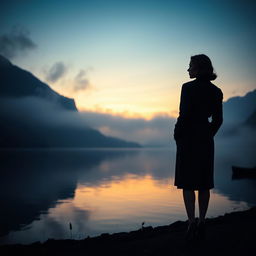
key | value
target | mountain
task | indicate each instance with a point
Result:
(238, 109)
(34, 115)
(238, 112)
(251, 120)
(16, 82)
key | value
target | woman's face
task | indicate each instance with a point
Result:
(192, 70)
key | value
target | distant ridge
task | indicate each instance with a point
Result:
(238, 109)
(251, 121)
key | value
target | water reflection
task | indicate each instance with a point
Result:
(32, 181)
(99, 191)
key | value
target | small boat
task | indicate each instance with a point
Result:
(243, 172)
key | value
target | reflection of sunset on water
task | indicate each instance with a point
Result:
(113, 191)
(116, 206)
(133, 196)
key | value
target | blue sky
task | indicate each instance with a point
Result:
(131, 57)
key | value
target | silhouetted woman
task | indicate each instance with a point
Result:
(200, 100)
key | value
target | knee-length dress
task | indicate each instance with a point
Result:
(193, 133)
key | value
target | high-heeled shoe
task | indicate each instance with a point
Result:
(191, 231)
(201, 230)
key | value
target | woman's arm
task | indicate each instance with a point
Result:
(217, 115)
(177, 129)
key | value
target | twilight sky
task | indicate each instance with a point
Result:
(130, 57)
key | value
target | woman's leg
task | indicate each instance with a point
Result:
(203, 201)
(189, 201)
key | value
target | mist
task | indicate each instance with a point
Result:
(38, 115)
(157, 131)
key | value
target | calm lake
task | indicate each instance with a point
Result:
(42, 191)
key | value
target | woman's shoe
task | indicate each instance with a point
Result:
(191, 231)
(201, 230)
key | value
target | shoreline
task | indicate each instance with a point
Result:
(229, 234)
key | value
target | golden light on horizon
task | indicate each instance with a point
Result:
(127, 93)
(130, 104)
(144, 98)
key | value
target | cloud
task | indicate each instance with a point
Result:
(15, 43)
(42, 115)
(57, 71)
(156, 131)
(81, 82)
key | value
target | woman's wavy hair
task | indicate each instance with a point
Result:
(204, 66)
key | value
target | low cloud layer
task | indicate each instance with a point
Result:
(39, 112)
(57, 71)
(156, 131)
(42, 114)
(15, 43)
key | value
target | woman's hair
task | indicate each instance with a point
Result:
(204, 66)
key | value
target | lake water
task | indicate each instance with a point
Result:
(104, 190)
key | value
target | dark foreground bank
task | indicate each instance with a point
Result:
(231, 234)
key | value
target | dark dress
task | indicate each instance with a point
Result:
(200, 100)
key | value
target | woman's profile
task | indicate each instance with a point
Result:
(193, 133)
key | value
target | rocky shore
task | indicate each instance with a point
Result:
(231, 234)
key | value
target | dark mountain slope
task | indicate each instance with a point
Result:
(34, 115)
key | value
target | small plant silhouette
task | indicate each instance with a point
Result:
(142, 225)
(70, 228)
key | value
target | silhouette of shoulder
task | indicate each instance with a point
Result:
(188, 84)
(215, 90)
